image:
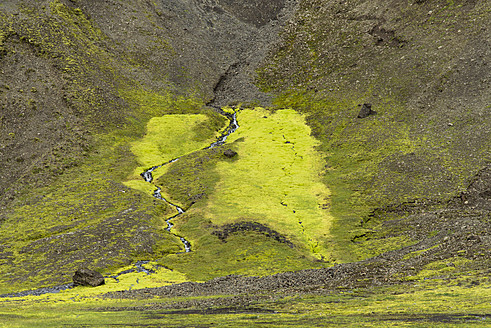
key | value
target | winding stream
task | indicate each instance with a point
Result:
(137, 268)
(148, 177)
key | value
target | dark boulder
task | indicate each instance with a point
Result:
(366, 110)
(87, 277)
(230, 153)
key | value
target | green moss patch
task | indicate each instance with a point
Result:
(276, 179)
(276, 183)
(169, 137)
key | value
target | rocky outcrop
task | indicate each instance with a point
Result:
(366, 110)
(229, 153)
(87, 277)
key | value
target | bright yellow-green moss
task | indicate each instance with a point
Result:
(168, 137)
(275, 180)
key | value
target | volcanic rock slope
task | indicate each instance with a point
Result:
(80, 79)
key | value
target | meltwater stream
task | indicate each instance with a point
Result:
(158, 195)
(138, 266)
(148, 177)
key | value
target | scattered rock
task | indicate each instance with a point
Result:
(230, 153)
(87, 277)
(474, 238)
(366, 110)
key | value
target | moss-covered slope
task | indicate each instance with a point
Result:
(422, 65)
(79, 81)
(93, 92)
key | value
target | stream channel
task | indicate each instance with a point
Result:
(148, 177)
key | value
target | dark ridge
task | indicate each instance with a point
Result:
(229, 229)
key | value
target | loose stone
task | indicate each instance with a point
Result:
(366, 110)
(230, 153)
(87, 277)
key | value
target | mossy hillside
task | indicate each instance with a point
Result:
(377, 161)
(427, 304)
(86, 217)
(334, 56)
(353, 150)
(261, 255)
